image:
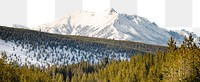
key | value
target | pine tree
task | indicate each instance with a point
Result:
(171, 44)
(75, 78)
(3, 57)
(84, 78)
(189, 41)
(67, 79)
(59, 78)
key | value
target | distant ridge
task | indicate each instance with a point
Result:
(110, 24)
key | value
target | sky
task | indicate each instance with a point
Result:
(95, 5)
(63, 7)
(154, 10)
(170, 14)
(38, 13)
(11, 12)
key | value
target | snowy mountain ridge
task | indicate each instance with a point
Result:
(112, 25)
(20, 26)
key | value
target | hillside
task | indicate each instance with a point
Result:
(41, 49)
(179, 64)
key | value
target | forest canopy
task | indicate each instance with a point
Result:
(178, 64)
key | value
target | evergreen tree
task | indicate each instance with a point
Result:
(171, 44)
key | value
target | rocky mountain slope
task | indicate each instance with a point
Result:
(112, 25)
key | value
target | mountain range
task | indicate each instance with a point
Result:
(110, 24)
(86, 36)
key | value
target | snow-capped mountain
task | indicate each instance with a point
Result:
(180, 34)
(112, 25)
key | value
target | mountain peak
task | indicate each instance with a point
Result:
(110, 24)
(20, 26)
(110, 10)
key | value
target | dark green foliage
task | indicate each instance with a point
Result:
(177, 65)
(171, 45)
(14, 73)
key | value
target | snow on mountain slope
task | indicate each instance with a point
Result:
(111, 25)
(180, 35)
(41, 56)
(20, 26)
(41, 49)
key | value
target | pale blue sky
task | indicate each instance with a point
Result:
(164, 12)
(13, 12)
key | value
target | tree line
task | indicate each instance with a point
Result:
(178, 64)
(97, 45)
